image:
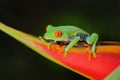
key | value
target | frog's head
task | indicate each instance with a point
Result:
(55, 33)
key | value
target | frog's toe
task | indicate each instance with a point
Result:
(65, 53)
(52, 47)
(94, 55)
(87, 49)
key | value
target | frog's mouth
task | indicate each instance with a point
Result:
(66, 40)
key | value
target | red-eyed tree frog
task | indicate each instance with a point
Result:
(72, 34)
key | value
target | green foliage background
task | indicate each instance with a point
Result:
(17, 62)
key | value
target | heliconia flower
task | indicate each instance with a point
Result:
(106, 66)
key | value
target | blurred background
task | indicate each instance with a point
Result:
(17, 62)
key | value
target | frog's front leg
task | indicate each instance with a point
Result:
(92, 40)
(71, 44)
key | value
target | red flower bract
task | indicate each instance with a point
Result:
(107, 60)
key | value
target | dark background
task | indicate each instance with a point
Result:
(17, 62)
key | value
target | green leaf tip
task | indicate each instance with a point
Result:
(39, 45)
(25, 38)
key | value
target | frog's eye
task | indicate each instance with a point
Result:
(58, 33)
(46, 28)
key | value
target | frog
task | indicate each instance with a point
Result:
(72, 34)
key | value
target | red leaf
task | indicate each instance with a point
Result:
(108, 55)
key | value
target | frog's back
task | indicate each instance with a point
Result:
(71, 30)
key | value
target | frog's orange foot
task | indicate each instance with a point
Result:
(90, 54)
(94, 55)
(87, 49)
(51, 46)
(56, 48)
(59, 49)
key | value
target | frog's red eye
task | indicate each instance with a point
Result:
(46, 28)
(58, 33)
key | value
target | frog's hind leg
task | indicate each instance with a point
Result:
(92, 40)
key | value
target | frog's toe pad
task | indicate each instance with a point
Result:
(65, 53)
(94, 55)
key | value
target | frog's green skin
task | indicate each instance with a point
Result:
(73, 34)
